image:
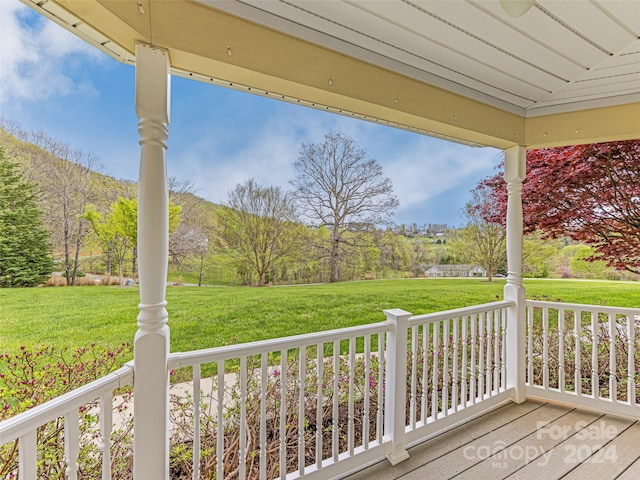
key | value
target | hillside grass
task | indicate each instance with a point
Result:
(210, 316)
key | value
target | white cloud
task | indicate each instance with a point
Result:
(37, 56)
(428, 168)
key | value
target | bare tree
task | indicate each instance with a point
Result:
(68, 179)
(260, 226)
(480, 242)
(336, 186)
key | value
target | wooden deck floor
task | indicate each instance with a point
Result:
(533, 440)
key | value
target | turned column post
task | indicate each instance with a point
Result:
(514, 175)
(151, 345)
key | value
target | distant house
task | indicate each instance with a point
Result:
(435, 271)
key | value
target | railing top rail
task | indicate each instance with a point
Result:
(459, 312)
(584, 307)
(209, 355)
(31, 419)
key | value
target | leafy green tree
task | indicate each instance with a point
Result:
(25, 251)
(537, 254)
(118, 231)
(583, 264)
(260, 226)
(480, 242)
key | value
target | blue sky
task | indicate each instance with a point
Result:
(52, 81)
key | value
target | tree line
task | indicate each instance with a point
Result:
(334, 223)
(331, 223)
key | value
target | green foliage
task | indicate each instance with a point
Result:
(583, 265)
(536, 255)
(118, 232)
(25, 251)
(260, 226)
(37, 374)
(480, 242)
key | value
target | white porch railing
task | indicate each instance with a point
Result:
(584, 355)
(24, 428)
(324, 404)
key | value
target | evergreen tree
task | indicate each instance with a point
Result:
(25, 251)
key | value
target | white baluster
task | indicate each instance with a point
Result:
(545, 348)
(336, 392)
(263, 414)
(283, 414)
(454, 387)
(302, 374)
(367, 392)
(414, 377)
(561, 334)
(242, 461)
(481, 365)
(631, 367)
(435, 409)
(613, 367)
(465, 347)
(595, 374)
(577, 331)
(381, 391)
(27, 456)
(474, 361)
(489, 367)
(530, 372)
(220, 419)
(196, 422)
(445, 368)
(319, 417)
(496, 351)
(425, 374)
(351, 407)
(106, 426)
(71, 443)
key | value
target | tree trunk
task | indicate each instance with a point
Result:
(333, 260)
(201, 270)
(134, 262)
(109, 261)
(74, 276)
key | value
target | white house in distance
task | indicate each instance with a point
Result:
(464, 270)
(510, 74)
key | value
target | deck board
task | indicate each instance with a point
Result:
(615, 458)
(631, 473)
(532, 440)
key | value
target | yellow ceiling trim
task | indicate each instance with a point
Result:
(215, 44)
(597, 125)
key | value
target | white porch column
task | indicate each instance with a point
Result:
(514, 174)
(151, 346)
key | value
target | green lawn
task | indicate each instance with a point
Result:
(209, 316)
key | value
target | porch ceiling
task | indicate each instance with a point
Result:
(565, 72)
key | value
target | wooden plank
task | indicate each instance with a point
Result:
(465, 456)
(631, 473)
(497, 462)
(440, 445)
(614, 458)
(568, 454)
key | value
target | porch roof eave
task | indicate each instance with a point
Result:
(214, 46)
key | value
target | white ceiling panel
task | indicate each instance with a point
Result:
(589, 20)
(475, 19)
(626, 13)
(559, 51)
